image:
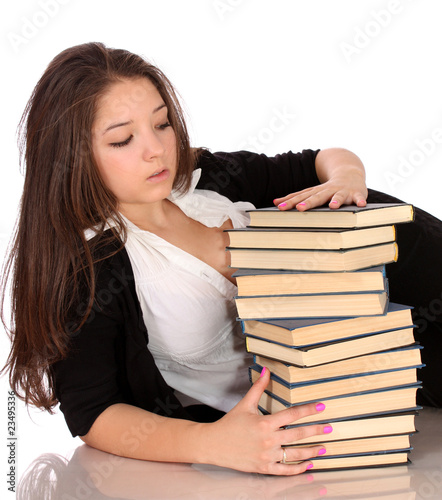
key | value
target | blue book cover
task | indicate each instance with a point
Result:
(272, 272)
(292, 324)
(330, 389)
(258, 368)
(299, 332)
(347, 397)
(378, 362)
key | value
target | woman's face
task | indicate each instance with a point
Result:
(133, 143)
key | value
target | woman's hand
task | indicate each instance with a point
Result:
(342, 178)
(247, 441)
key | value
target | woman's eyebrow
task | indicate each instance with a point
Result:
(161, 106)
(115, 125)
(122, 124)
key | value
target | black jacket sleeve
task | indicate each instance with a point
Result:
(108, 360)
(257, 178)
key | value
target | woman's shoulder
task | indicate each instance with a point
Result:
(225, 172)
(112, 270)
(256, 177)
(109, 254)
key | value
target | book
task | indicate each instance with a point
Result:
(389, 443)
(310, 239)
(314, 260)
(354, 461)
(349, 216)
(313, 305)
(383, 425)
(382, 401)
(252, 282)
(323, 390)
(326, 353)
(311, 331)
(404, 357)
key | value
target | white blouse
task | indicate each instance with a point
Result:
(189, 308)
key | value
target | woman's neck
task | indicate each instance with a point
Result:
(152, 217)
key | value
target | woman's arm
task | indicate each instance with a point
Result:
(342, 177)
(242, 439)
(257, 178)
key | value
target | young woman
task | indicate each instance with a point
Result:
(122, 294)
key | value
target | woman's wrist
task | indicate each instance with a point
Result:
(333, 163)
(198, 442)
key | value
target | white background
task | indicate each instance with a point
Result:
(363, 75)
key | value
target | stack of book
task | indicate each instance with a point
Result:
(314, 306)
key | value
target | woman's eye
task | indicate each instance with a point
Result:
(164, 125)
(121, 144)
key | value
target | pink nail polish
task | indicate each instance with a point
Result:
(328, 429)
(333, 202)
(320, 407)
(300, 204)
(282, 204)
(323, 492)
(263, 371)
(322, 451)
(309, 466)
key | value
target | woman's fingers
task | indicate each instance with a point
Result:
(285, 417)
(345, 197)
(291, 415)
(291, 200)
(260, 438)
(307, 199)
(289, 469)
(296, 460)
(251, 399)
(294, 455)
(296, 434)
(334, 195)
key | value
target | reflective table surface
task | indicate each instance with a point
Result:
(91, 474)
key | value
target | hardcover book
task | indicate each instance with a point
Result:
(395, 359)
(377, 426)
(380, 402)
(251, 282)
(310, 239)
(326, 353)
(351, 259)
(323, 390)
(349, 216)
(313, 305)
(310, 331)
(361, 460)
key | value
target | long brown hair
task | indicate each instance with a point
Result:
(63, 195)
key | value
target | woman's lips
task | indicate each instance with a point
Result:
(160, 176)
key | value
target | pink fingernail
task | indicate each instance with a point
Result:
(263, 371)
(320, 407)
(328, 429)
(282, 204)
(322, 451)
(323, 492)
(300, 204)
(334, 201)
(309, 466)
